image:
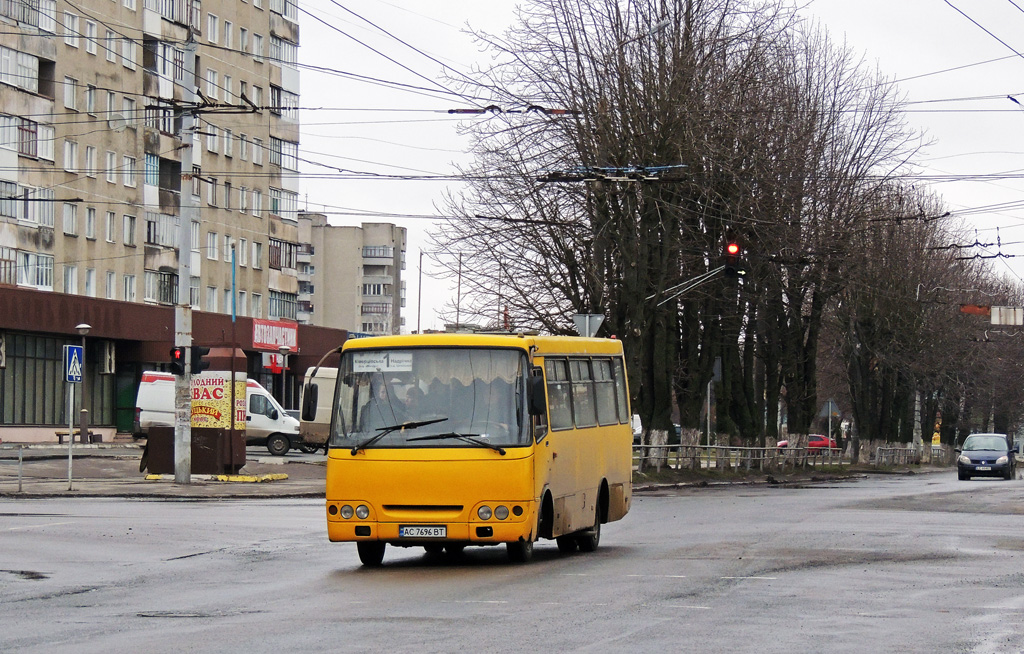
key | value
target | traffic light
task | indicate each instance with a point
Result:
(178, 360)
(198, 363)
(733, 265)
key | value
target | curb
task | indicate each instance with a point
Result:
(249, 479)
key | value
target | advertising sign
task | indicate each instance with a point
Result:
(211, 402)
(272, 334)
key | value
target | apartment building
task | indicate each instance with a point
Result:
(351, 278)
(92, 189)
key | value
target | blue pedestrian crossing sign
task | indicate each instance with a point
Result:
(73, 358)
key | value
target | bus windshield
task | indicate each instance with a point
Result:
(431, 397)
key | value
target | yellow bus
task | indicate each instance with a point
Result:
(444, 441)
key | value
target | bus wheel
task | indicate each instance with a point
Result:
(371, 552)
(520, 551)
(434, 550)
(454, 549)
(566, 544)
(589, 538)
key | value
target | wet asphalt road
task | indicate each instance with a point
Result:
(918, 563)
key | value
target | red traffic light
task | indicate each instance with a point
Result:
(178, 360)
(732, 248)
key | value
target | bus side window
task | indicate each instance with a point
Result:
(583, 393)
(559, 402)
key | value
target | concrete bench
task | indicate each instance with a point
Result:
(90, 437)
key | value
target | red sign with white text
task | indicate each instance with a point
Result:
(272, 334)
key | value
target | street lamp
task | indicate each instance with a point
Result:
(284, 350)
(83, 424)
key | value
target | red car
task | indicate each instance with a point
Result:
(815, 442)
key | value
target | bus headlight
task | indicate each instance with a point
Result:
(501, 512)
(484, 512)
(362, 512)
(346, 512)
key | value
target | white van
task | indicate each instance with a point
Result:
(265, 421)
(317, 428)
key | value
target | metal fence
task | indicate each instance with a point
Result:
(723, 457)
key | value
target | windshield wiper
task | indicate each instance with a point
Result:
(469, 438)
(384, 431)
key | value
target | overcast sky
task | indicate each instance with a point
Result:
(351, 123)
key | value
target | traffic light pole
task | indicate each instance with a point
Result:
(183, 309)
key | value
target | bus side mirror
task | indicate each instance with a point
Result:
(309, 396)
(535, 395)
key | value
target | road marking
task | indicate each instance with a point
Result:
(51, 524)
(767, 578)
(661, 576)
(685, 606)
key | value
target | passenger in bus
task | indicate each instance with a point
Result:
(415, 407)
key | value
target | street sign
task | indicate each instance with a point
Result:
(73, 357)
(587, 324)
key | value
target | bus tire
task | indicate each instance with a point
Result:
(520, 551)
(278, 445)
(588, 539)
(434, 549)
(371, 552)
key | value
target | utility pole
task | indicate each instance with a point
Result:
(183, 308)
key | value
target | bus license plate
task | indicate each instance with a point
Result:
(423, 532)
(983, 468)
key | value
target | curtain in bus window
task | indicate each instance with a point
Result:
(559, 409)
(620, 391)
(604, 386)
(583, 393)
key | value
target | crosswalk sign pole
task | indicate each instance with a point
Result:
(71, 427)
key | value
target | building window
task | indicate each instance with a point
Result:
(243, 252)
(129, 288)
(211, 246)
(282, 254)
(35, 270)
(257, 151)
(129, 230)
(161, 229)
(257, 255)
(228, 143)
(90, 37)
(229, 243)
(70, 279)
(70, 93)
(240, 307)
(211, 191)
(70, 219)
(111, 167)
(152, 174)
(90, 282)
(110, 45)
(128, 171)
(228, 41)
(212, 85)
(243, 199)
(212, 28)
(90, 160)
(227, 195)
(228, 308)
(257, 202)
(44, 142)
(90, 222)
(71, 33)
(193, 293)
(256, 306)
(211, 138)
(128, 55)
(71, 156)
(90, 99)
(283, 305)
(111, 227)
(284, 153)
(48, 16)
(211, 298)
(161, 287)
(243, 40)
(110, 291)
(257, 47)
(283, 53)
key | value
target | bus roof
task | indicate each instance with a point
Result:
(543, 345)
